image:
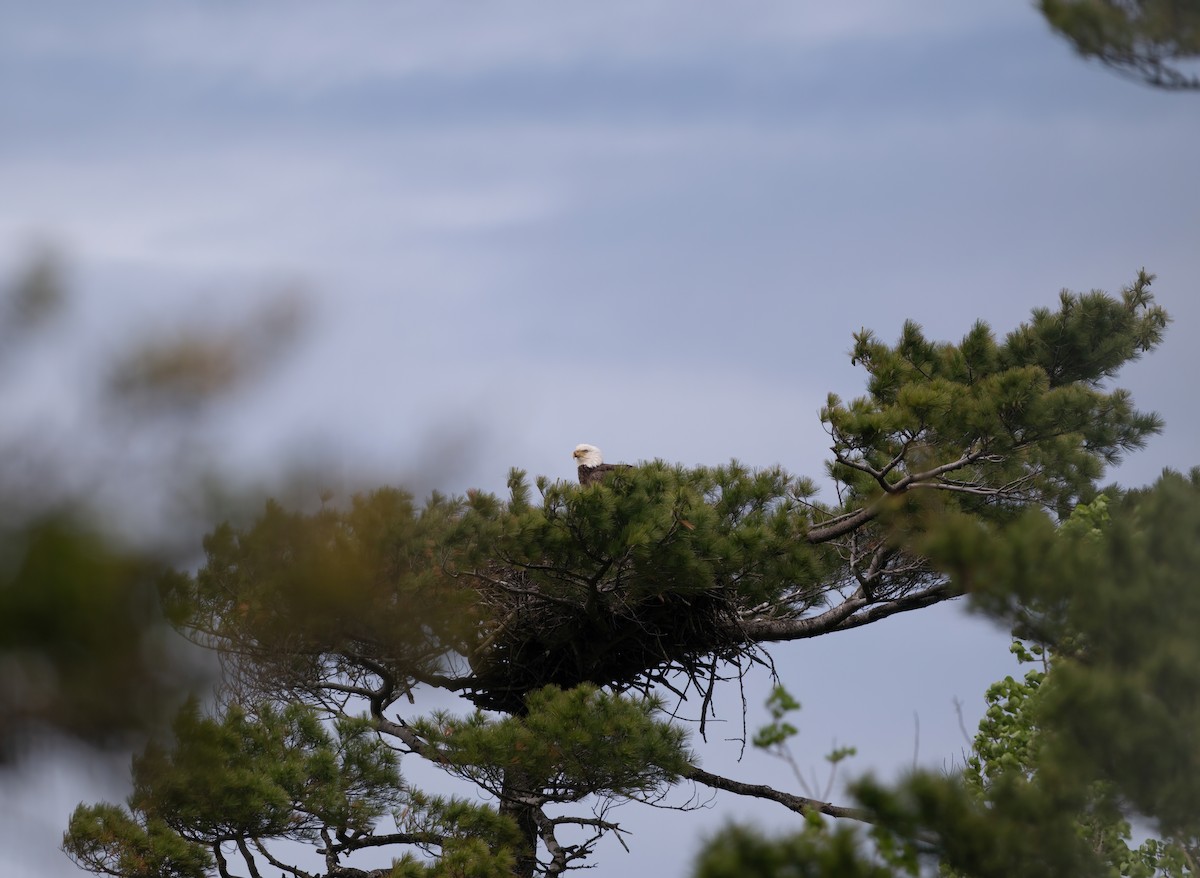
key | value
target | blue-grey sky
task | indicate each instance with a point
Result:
(652, 226)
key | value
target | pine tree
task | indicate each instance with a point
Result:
(565, 620)
(1103, 732)
(1148, 40)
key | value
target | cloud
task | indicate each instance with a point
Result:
(307, 47)
(254, 207)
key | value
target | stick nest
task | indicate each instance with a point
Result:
(605, 633)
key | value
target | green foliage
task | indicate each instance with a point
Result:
(1123, 705)
(923, 820)
(1006, 741)
(774, 738)
(80, 643)
(1019, 830)
(840, 754)
(598, 585)
(293, 586)
(1008, 735)
(657, 529)
(1102, 731)
(1111, 595)
(1145, 39)
(567, 745)
(779, 703)
(548, 609)
(1028, 413)
(451, 818)
(815, 852)
(107, 840)
(465, 857)
(660, 567)
(648, 571)
(279, 774)
(84, 650)
(1007, 747)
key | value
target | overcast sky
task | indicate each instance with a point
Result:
(652, 226)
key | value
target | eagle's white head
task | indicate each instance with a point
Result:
(587, 455)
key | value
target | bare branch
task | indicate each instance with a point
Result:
(845, 615)
(262, 849)
(799, 804)
(918, 600)
(222, 866)
(797, 629)
(249, 858)
(558, 854)
(406, 734)
(842, 525)
(375, 841)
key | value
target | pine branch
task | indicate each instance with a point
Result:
(559, 856)
(844, 616)
(222, 866)
(249, 858)
(842, 525)
(262, 849)
(374, 841)
(799, 804)
(411, 739)
(850, 522)
(926, 598)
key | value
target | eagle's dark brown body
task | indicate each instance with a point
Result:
(592, 467)
(589, 475)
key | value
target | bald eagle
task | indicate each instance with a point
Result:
(592, 467)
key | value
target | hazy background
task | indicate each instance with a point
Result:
(652, 226)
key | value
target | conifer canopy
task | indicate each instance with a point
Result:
(570, 620)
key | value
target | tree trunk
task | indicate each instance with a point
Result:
(517, 786)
